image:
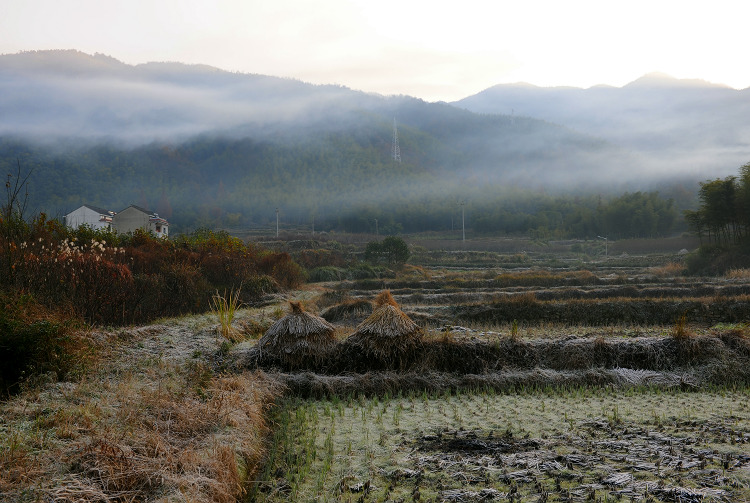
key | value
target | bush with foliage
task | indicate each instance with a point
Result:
(34, 342)
(392, 251)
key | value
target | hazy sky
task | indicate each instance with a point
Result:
(435, 50)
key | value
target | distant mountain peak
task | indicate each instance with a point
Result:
(660, 79)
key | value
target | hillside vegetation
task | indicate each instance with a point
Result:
(207, 148)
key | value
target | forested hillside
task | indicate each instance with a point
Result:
(205, 147)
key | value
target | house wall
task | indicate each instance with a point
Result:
(87, 216)
(161, 229)
(129, 220)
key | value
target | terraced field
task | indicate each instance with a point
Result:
(618, 380)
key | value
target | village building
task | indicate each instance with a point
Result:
(134, 217)
(91, 216)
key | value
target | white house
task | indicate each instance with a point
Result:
(134, 217)
(96, 218)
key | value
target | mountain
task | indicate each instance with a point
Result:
(690, 123)
(226, 147)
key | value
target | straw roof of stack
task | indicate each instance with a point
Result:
(297, 336)
(387, 330)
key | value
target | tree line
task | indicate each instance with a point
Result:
(723, 215)
(342, 183)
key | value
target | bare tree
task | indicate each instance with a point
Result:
(12, 224)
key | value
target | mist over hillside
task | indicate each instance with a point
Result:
(223, 148)
(673, 125)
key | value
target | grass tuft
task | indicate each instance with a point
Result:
(225, 308)
(680, 330)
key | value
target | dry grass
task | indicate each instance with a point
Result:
(681, 331)
(152, 422)
(669, 270)
(738, 274)
(225, 307)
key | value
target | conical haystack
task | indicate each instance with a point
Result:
(388, 332)
(298, 337)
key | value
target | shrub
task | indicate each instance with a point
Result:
(327, 273)
(85, 279)
(257, 286)
(134, 278)
(33, 342)
(312, 259)
(392, 250)
(283, 269)
(366, 271)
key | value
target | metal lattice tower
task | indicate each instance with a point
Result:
(396, 149)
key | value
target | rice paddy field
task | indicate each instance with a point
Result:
(584, 444)
(620, 380)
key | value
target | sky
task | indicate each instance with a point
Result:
(435, 50)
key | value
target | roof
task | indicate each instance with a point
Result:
(151, 214)
(142, 210)
(97, 209)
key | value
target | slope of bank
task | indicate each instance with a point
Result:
(153, 419)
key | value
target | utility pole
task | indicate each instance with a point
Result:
(376, 227)
(606, 251)
(277, 222)
(463, 223)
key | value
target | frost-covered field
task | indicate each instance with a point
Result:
(583, 444)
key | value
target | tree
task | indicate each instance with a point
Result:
(392, 250)
(12, 224)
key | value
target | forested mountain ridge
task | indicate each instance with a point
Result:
(679, 124)
(208, 147)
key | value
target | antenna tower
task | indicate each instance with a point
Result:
(396, 149)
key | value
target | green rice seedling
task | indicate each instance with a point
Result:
(514, 330)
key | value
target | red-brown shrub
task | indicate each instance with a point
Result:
(310, 259)
(282, 268)
(145, 279)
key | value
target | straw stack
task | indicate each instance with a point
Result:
(388, 332)
(298, 337)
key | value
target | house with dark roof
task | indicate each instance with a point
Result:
(134, 217)
(91, 216)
